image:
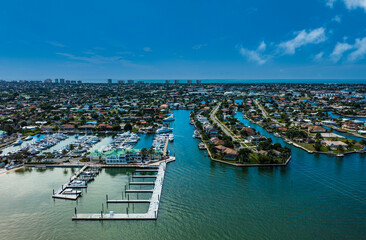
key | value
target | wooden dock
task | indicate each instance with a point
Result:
(139, 191)
(151, 214)
(144, 176)
(147, 170)
(142, 183)
(129, 201)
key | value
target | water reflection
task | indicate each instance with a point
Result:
(24, 170)
(119, 171)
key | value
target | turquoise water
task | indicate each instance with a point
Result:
(314, 197)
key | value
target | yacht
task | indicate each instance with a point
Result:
(169, 118)
(201, 146)
(171, 137)
(164, 130)
(28, 138)
(196, 134)
(77, 183)
(18, 142)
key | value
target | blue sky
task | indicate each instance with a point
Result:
(144, 39)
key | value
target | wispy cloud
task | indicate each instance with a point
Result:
(257, 55)
(147, 49)
(199, 46)
(350, 4)
(95, 59)
(339, 50)
(56, 44)
(353, 4)
(318, 57)
(358, 51)
(303, 38)
(330, 3)
(336, 18)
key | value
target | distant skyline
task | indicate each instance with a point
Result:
(93, 40)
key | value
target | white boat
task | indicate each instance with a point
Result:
(18, 142)
(164, 130)
(78, 184)
(169, 118)
(196, 134)
(171, 137)
(28, 138)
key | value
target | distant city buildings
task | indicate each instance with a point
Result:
(140, 82)
(167, 81)
(189, 81)
(198, 81)
(62, 81)
(56, 80)
(121, 81)
(68, 81)
(109, 81)
(130, 81)
(80, 82)
(176, 81)
(48, 80)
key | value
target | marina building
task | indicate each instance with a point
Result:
(124, 156)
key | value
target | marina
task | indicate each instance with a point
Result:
(151, 214)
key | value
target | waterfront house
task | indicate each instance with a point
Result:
(230, 154)
(88, 127)
(216, 141)
(334, 144)
(47, 129)
(67, 127)
(316, 129)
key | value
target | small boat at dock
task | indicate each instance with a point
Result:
(169, 118)
(202, 146)
(18, 142)
(28, 138)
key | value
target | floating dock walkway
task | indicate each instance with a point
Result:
(151, 214)
(144, 176)
(67, 190)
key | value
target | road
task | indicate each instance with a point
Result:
(225, 129)
(266, 115)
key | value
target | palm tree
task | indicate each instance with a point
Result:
(244, 154)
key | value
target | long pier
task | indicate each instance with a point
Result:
(151, 214)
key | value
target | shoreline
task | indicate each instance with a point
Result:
(288, 141)
(284, 164)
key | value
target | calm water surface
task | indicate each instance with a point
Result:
(315, 196)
